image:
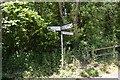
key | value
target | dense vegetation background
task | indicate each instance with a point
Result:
(30, 50)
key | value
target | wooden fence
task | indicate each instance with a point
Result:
(93, 50)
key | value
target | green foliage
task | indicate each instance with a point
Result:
(84, 74)
(25, 36)
(89, 72)
(26, 28)
(34, 51)
(96, 30)
(69, 70)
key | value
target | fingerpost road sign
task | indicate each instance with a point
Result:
(61, 28)
(67, 33)
(67, 26)
(52, 28)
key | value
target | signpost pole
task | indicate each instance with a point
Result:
(60, 28)
(62, 49)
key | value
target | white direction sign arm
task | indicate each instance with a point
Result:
(67, 26)
(52, 28)
(67, 33)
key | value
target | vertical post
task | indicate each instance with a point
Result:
(114, 49)
(62, 53)
(1, 43)
(93, 54)
(114, 52)
(87, 52)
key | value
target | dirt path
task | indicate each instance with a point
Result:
(113, 74)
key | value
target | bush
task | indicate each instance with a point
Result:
(89, 72)
(26, 40)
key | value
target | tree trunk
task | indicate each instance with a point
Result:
(75, 21)
(60, 11)
(76, 25)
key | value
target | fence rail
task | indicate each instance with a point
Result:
(93, 50)
(106, 54)
(105, 48)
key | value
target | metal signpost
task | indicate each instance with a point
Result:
(67, 33)
(61, 28)
(52, 28)
(67, 26)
